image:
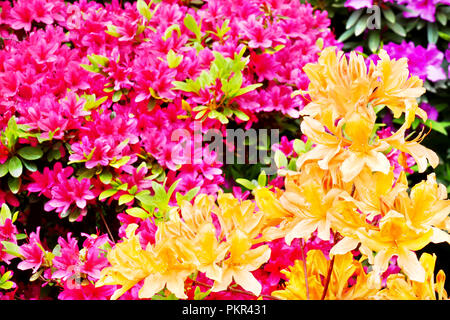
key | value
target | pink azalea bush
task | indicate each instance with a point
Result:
(91, 96)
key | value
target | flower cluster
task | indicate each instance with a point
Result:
(345, 185)
(108, 189)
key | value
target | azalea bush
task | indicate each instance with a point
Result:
(107, 193)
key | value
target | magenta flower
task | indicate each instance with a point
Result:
(425, 9)
(75, 291)
(45, 181)
(68, 193)
(66, 264)
(32, 252)
(422, 62)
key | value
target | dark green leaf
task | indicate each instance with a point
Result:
(353, 18)
(397, 28)
(347, 34)
(3, 169)
(389, 15)
(432, 33)
(30, 153)
(374, 40)
(15, 167)
(361, 25)
(14, 184)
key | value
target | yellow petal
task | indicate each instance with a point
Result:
(247, 281)
(407, 260)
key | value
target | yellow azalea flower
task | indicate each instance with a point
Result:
(129, 264)
(234, 214)
(268, 202)
(178, 265)
(394, 237)
(375, 193)
(421, 154)
(327, 146)
(399, 288)
(361, 153)
(427, 205)
(338, 83)
(310, 204)
(344, 268)
(243, 259)
(397, 89)
(346, 220)
(210, 252)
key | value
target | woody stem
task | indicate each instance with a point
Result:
(327, 281)
(337, 238)
(107, 227)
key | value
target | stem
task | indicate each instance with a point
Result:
(235, 290)
(107, 227)
(304, 268)
(327, 282)
(337, 237)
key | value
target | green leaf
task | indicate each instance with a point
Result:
(30, 153)
(137, 212)
(444, 36)
(31, 166)
(246, 183)
(280, 159)
(397, 28)
(15, 167)
(442, 18)
(374, 40)
(3, 169)
(143, 9)
(241, 115)
(361, 25)
(173, 60)
(119, 163)
(6, 285)
(432, 33)
(199, 295)
(14, 184)
(389, 15)
(73, 216)
(117, 96)
(89, 68)
(107, 193)
(105, 176)
(192, 25)
(5, 213)
(36, 275)
(6, 276)
(169, 31)
(97, 60)
(21, 236)
(347, 34)
(246, 89)
(438, 126)
(299, 146)
(188, 196)
(353, 18)
(262, 179)
(125, 198)
(11, 248)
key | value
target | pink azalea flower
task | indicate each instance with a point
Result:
(32, 252)
(68, 193)
(88, 291)
(425, 9)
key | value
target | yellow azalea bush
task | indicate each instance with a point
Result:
(344, 190)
